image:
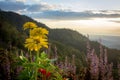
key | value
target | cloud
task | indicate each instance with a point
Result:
(15, 0)
(21, 0)
(56, 12)
(116, 21)
(41, 7)
(12, 6)
(16, 5)
(70, 15)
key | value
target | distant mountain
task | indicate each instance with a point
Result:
(109, 41)
(68, 42)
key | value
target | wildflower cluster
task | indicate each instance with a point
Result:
(37, 66)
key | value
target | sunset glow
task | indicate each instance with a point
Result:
(99, 26)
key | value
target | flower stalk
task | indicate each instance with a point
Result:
(36, 40)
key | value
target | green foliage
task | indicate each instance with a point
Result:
(10, 36)
(43, 62)
(64, 50)
(69, 38)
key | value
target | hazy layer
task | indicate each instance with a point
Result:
(109, 41)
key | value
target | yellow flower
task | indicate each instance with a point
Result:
(44, 31)
(36, 43)
(29, 25)
(39, 32)
(37, 38)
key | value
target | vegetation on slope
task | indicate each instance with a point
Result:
(67, 41)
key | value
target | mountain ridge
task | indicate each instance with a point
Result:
(71, 42)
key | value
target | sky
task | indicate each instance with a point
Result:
(94, 17)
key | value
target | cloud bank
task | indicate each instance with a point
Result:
(11, 5)
(55, 12)
(63, 15)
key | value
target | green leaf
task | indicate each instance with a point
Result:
(43, 55)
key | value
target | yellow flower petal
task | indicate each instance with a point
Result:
(29, 25)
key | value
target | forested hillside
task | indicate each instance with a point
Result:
(67, 41)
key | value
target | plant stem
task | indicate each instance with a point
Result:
(36, 69)
(30, 57)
